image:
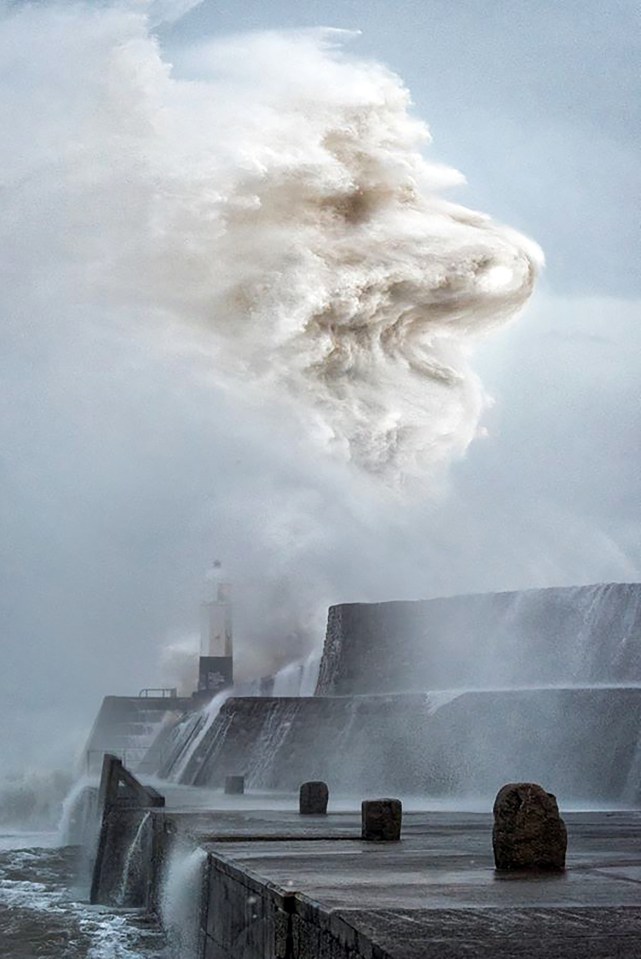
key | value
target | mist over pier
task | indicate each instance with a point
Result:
(251, 309)
(565, 714)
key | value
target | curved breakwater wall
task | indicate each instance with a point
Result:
(583, 742)
(542, 684)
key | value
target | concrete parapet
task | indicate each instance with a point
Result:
(127, 850)
(127, 726)
(445, 744)
(383, 647)
(244, 916)
(436, 895)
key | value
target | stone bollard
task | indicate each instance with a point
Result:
(528, 830)
(235, 785)
(381, 820)
(313, 799)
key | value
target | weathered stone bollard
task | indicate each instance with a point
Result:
(313, 797)
(235, 785)
(381, 820)
(528, 830)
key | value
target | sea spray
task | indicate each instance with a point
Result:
(271, 209)
(298, 678)
(182, 898)
(198, 733)
(253, 241)
(78, 822)
(309, 677)
(287, 681)
(33, 798)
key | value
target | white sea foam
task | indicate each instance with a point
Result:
(43, 912)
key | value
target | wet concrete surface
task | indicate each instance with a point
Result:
(436, 893)
(433, 895)
(441, 862)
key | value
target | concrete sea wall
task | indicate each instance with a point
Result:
(541, 684)
(583, 742)
(127, 726)
(434, 893)
(562, 636)
(248, 883)
(247, 916)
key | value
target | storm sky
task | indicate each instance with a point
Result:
(125, 471)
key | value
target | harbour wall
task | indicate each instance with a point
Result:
(241, 881)
(580, 635)
(583, 742)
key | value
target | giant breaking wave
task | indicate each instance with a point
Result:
(268, 201)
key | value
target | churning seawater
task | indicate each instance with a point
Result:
(44, 912)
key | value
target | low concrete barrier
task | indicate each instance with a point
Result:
(127, 850)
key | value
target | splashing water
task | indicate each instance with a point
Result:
(132, 860)
(77, 809)
(181, 897)
(274, 211)
(297, 678)
(43, 914)
(208, 716)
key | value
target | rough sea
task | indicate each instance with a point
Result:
(44, 909)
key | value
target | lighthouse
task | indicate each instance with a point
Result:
(216, 666)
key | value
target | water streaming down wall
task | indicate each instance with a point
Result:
(182, 747)
(197, 735)
(208, 746)
(560, 636)
(166, 754)
(582, 742)
(536, 685)
(134, 868)
(632, 787)
(275, 730)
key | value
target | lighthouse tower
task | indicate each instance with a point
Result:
(216, 668)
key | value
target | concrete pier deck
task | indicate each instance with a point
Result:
(294, 887)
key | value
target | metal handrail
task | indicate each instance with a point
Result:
(164, 692)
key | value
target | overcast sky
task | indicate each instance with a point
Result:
(120, 482)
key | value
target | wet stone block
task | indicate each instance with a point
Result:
(313, 798)
(528, 830)
(381, 820)
(235, 785)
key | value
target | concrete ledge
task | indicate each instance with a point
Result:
(434, 894)
(244, 915)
